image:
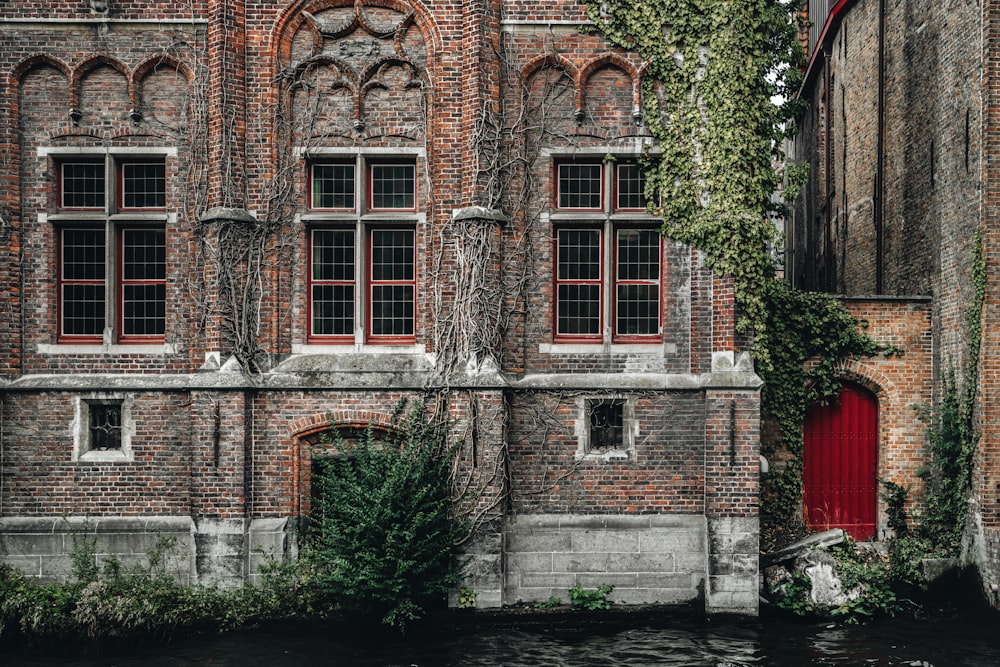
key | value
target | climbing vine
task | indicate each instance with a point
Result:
(715, 68)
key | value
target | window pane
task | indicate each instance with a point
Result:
(144, 254)
(579, 254)
(83, 254)
(638, 254)
(333, 186)
(143, 282)
(333, 254)
(579, 309)
(144, 185)
(83, 309)
(333, 310)
(392, 310)
(580, 186)
(638, 310)
(144, 309)
(82, 185)
(392, 254)
(393, 186)
(606, 420)
(630, 186)
(105, 426)
(82, 290)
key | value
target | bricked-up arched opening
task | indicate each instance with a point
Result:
(324, 443)
(841, 463)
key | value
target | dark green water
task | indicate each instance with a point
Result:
(973, 640)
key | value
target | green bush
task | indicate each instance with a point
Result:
(591, 599)
(382, 535)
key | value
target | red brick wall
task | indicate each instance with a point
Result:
(220, 445)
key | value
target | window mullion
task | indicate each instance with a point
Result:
(361, 278)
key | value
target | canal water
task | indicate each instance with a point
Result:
(973, 641)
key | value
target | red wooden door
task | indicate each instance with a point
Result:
(841, 464)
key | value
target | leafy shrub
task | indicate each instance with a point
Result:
(382, 537)
(591, 599)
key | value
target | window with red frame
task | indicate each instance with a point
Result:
(387, 256)
(583, 283)
(608, 269)
(136, 271)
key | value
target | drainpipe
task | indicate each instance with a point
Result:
(879, 212)
(827, 173)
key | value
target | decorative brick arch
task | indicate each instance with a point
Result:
(616, 61)
(149, 65)
(88, 65)
(556, 62)
(291, 19)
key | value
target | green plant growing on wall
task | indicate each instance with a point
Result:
(383, 537)
(590, 599)
(715, 67)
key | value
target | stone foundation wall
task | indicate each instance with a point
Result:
(649, 559)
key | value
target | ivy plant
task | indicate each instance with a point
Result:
(715, 69)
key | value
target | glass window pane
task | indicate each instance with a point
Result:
(144, 254)
(606, 424)
(579, 254)
(333, 254)
(83, 254)
(392, 254)
(333, 310)
(144, 309)
(579, 309)
(144, 185)
(630, 186)
(638, 310)
(143, 281)
(580, 186)
(333, 186)
(82, 309)
(82, 185)
(105, 426)
(638, 254)
(393, 186)
(392, 310)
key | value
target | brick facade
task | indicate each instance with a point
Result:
(903, 175)
(238, 101)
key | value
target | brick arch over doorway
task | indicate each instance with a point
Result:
(310, 436)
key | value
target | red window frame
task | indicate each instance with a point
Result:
(121, 282)
(557, 180)
(599, 282)
(312, 282)
(311, 184)
(369, 178)
(62, 281)
(371, 283)
(617, 281)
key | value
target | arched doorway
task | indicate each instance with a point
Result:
(841, 464)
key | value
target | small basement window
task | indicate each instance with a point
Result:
(103, 428)
(606, 418)
(606, 428)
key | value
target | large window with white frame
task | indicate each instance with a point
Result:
(110, 226)
(608, 271)
(362, 251)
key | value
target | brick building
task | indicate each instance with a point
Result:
(229, 227)
(903, 99)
